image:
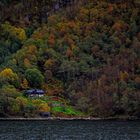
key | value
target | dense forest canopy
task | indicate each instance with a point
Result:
(85, 55)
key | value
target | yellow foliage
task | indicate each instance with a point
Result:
(8, 74)
(37, 102)
(32, 49)
(15, 31)
(44, 107)
(20, 33)
(21, 101)
(73, 47)
(49, 64)
(24, 84)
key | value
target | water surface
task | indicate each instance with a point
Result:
(69, 130)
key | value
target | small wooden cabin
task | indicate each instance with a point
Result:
(34, 93)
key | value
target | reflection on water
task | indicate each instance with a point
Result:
(69, 130)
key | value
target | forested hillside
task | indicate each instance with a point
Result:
(85, 55)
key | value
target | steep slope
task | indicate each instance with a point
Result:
(88, 55)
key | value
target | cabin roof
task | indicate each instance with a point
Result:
(34, 91)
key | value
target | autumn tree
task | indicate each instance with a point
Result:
(44, 107)
(51, 40)
(25, 84)
(7, 76)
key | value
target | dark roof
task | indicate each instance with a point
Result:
(34, 91)
(39, 91)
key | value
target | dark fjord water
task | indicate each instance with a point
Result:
(69, 130)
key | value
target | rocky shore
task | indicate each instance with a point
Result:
(69, 119)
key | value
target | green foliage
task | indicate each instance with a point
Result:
(34, 77)
(66, 111)
(9, 40)
(9, 91)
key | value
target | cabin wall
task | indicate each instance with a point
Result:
(36, 95)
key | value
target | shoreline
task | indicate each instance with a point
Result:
(72, 119)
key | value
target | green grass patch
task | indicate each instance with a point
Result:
(66, 110)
